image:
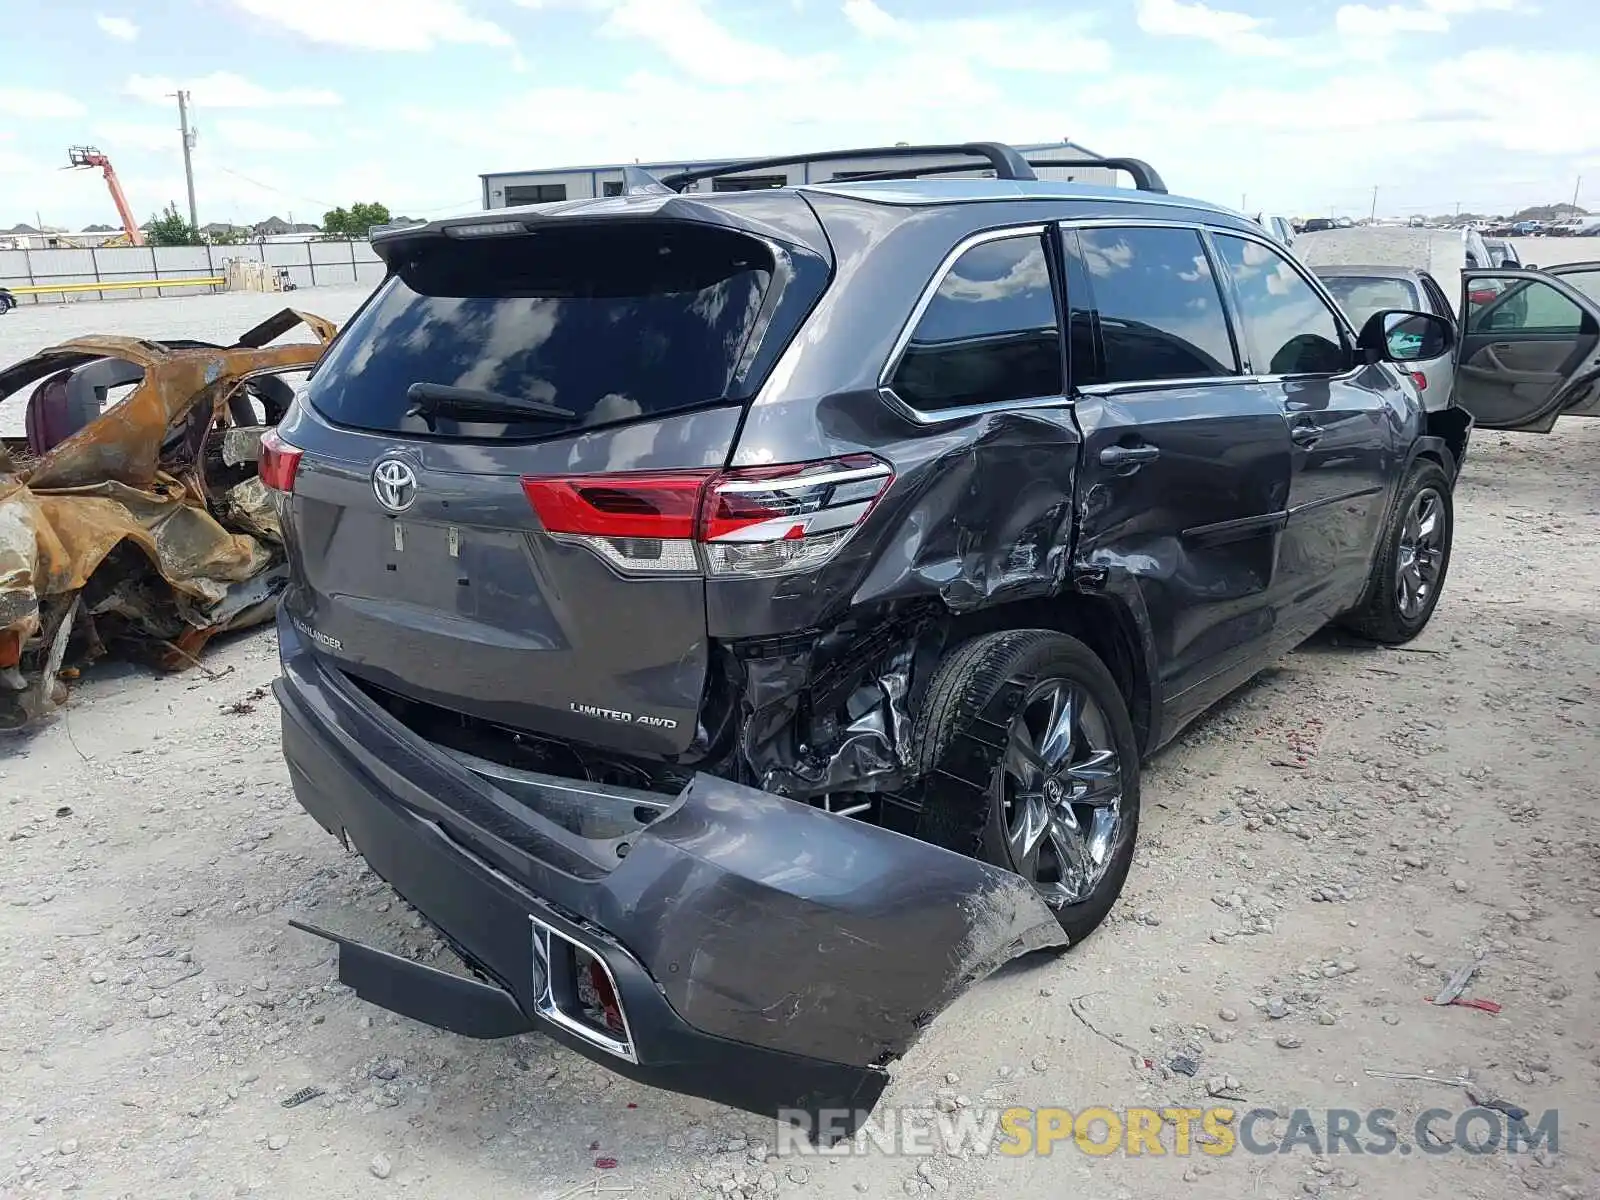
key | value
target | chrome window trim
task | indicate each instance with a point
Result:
(903, 339)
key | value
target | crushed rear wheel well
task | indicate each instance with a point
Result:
(1097, 621)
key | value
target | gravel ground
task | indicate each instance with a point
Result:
(1316, 856)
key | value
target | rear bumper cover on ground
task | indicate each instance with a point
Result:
(767, 955)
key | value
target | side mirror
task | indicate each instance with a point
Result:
(1397, 335)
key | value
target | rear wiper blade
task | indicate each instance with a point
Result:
(431, 399)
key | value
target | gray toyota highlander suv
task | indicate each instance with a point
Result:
(736, 620)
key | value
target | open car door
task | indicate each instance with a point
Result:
(1530, 348)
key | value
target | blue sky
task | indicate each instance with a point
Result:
(305, 104)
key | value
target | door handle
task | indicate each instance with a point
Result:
(1129, 456)
(1305, 435)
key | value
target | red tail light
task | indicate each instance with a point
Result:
(278, 462)
(745, 522)
(1421, 380)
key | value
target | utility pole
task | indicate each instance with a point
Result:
(1374, 214)
(188, 164)
(1576, 188)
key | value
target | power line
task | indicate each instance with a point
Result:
(269, 187)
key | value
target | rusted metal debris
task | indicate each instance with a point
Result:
(143, 528)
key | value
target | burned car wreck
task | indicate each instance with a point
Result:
(144, 528)
(737, 621)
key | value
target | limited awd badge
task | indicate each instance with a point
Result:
(620, 716)
(394, 483)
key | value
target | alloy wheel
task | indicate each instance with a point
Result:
(1421, 553)
(1062, 792)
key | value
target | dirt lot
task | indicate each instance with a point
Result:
(1326, 846)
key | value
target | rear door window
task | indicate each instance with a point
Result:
(1161, 314)
(989, 334)
(1288, 326)
(612, 322)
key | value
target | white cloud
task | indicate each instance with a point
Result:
(1019, 42)
(118, 137)
(379, 24)
(1235, 31)
(1358, 20)
(36, 103)
(702, 47)
(120, 28)
(223, 89)
(262, 135)
(870, 19)
(1430, 16)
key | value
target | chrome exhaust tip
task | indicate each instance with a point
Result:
(574, 989)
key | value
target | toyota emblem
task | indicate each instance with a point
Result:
(394, 483)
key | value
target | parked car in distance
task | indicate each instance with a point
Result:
(949, 501)
(1363, 290)
(1317, 224)
(1528, 229)
(7, 301)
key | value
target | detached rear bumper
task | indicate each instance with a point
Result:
(765, 954)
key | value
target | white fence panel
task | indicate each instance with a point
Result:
(183, 258)
(13, 266)
(309, 264)
(136, 261)
(330, 252)
(63, 262)
(284, 254)
(333, 274)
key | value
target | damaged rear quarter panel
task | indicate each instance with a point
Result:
(980, 513)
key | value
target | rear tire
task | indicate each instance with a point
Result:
(1062, 806)
(1413, 559)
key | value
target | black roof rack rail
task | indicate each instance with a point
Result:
(1007, 162)
(1145, 177)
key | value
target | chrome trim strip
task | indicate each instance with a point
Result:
(946, 415)
(800, 482)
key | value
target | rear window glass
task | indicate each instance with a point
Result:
(610, 322)
(1362, 295)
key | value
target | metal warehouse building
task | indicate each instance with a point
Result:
(506, 188)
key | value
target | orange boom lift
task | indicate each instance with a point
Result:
(88, 156)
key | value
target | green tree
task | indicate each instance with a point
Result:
(336, 223)
(354, 221)
(170, 229)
